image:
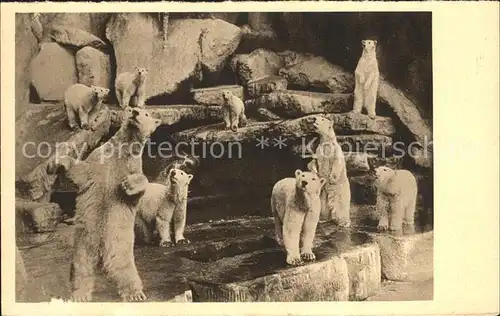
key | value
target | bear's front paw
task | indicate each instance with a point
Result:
(183, 241)
(85, 126)
(294, 260)
(134, 184)
(133, 296)
(308, 256)
(234, 128)
(166, 244)
(80, 296)
(372, 116)
(383, 225)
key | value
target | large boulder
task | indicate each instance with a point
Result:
(93, 67)
(44, 135)
(73, 36)
(191, 44)
(53, 70)
(315, 72)
(258, 64)
(294, 103)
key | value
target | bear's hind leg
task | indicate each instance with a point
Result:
(119, 265)
(278, 225)
(126, 96)
(226, 117)
(358, 97)
(82, 269)
(397, 213)
(409, 216)
(179, 225)
(370, 97)
(243, 119)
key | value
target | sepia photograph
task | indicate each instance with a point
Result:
(333, 158)
(224, 157)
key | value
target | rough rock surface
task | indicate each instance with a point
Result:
(73, 36)
(307, 71)
(400, 255)
(37, 217)
(172, 114)
(294, 103)
(295, 128)
(258, 64)
(213, 95)
(364, 267)
(191, 43)
(53, 70)
(263, 114)
(93, 67)
(45, 133)
(355, 161)
(265, 85)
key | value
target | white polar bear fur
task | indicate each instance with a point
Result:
(160, 204)
(296, 207)
(130, 88)
(79, 100)
(396, 198)
(233, 111)
(329, 163)
(367, 79)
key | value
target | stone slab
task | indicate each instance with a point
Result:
(213, 95)
(259, 87)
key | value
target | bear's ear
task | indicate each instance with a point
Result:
(128, 111)
(322, 181)
(190, 177)
(298, 172)
(157, 122)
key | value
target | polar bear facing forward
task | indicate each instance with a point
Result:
(80, 100)
(296, 208)
(396, 199)
(161, 205)
(131, 88)
(233, 111)
(367, 78)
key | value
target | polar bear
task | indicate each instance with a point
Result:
(79, 100)
(329, 162)
(367, 79)
(131, 87)
(159, 204)
(396, 198)
(233, 111)
(296, 207)
(105, 213)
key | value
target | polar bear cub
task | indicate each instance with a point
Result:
(366, 79)
(296, 208)
(79, 100)
(162, 205)
(233, 111)
(131, 87)
(396, 198)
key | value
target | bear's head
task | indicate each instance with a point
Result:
(323, 126)
(99, 93)
(144, 124)
(308, 182)
(179, 177)
(369, 45)
(226, 95)
(141, 72)
(382, 174)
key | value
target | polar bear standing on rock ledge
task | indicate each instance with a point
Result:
(296, 207)
(367, 78)
(396, 199)
(233, 111)
(79, 100)
(131, 87)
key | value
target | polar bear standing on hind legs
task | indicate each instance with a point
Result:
(105, 212)
(367, 78)
(329, 162)
(296, 208)
(396, 198)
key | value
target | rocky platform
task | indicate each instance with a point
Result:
(238, 260)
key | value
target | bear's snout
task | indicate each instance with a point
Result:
(304, 183)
